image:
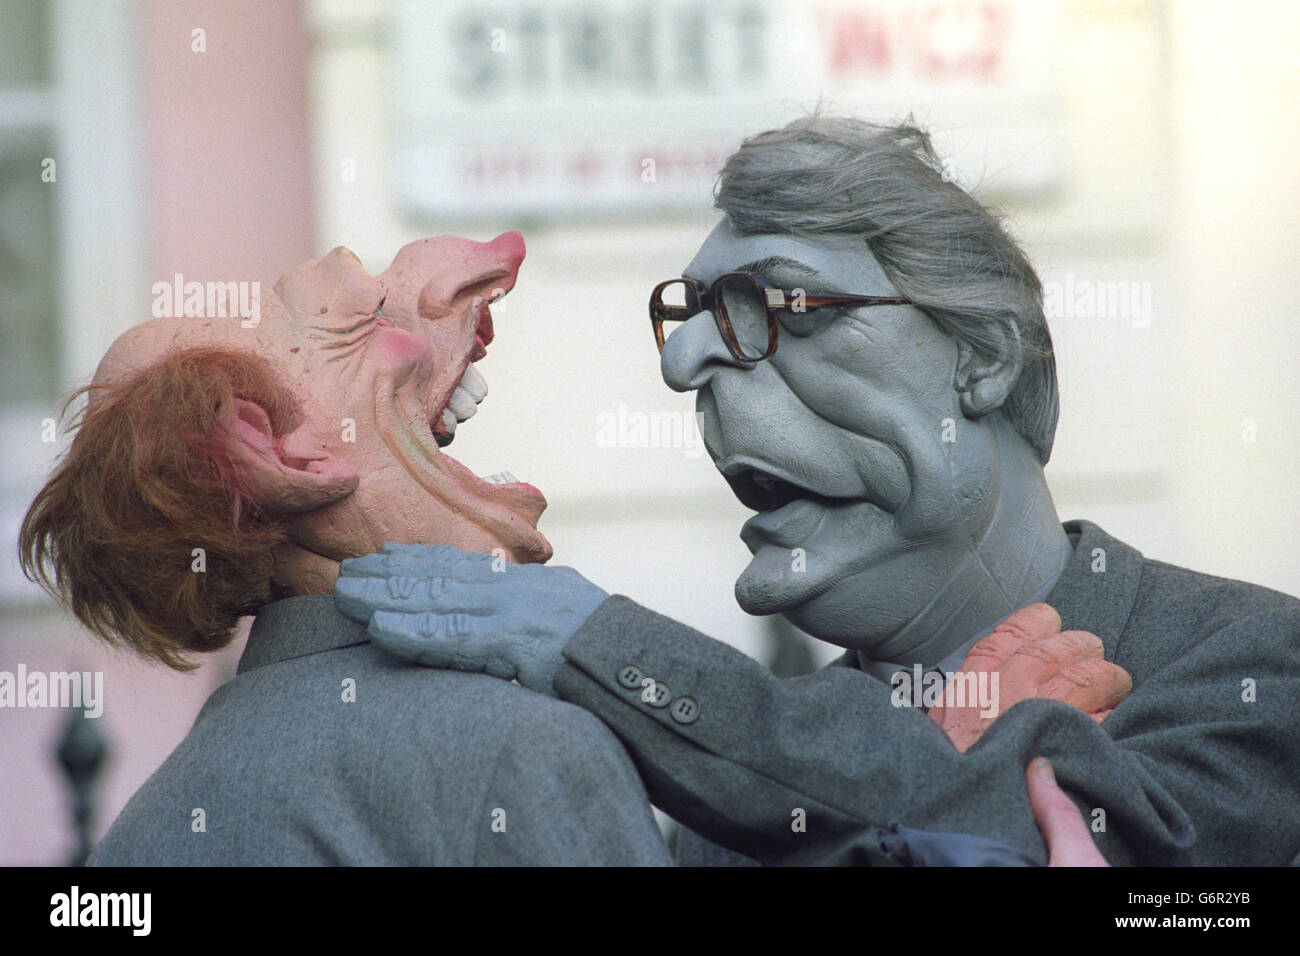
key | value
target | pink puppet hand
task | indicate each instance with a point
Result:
(1033, 657)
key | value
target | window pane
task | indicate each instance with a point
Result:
(24, 43)
(29, 353)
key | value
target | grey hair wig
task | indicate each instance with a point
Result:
(939, 246)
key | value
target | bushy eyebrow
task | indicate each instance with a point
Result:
(783, 263)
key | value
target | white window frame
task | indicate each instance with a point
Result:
(93, 112)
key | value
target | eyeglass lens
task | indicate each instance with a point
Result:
(742, 304)
(747, 313)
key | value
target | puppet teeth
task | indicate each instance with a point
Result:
(501, 478)
(449, 421)
(462, 404)
(474, 383)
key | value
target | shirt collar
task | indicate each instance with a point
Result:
(296, 627)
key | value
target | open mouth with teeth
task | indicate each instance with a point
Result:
(499, 502)
(463, 402)
(461, 406)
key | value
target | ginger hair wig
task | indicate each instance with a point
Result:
(114, 533)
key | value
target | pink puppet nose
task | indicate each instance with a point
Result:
(459, 268)
(509, 245)
(506, 252)
(507, 249)
(495, 264)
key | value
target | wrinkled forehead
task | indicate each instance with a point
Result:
(320, 296)
(831, 262)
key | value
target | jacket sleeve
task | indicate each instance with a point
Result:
(796, 769)
(564, 793)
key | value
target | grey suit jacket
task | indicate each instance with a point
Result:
(421, 767)
(1200, 765)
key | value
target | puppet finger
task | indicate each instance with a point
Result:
(1027, 626)
(1090, 685)
(1039, 661)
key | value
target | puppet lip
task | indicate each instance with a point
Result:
(789, 526)
(484, 332)
(762, 487)
(446, 477)
(765, 488)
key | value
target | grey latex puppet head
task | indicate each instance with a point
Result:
(893, 453)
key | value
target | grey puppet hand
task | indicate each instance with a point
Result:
(447, 608)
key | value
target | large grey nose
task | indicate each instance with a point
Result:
(693, 353)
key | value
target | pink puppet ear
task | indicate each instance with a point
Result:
(290, 476)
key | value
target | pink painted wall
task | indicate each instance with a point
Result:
(226, 163)
(227, 150)
(147, 710)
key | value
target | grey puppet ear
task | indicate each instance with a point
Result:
(985, 377)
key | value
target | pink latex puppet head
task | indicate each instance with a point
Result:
(219, 466)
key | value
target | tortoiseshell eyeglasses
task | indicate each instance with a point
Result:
(747, 309)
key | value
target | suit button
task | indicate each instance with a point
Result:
(630, 677)
(657, 695)
(685, 710)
